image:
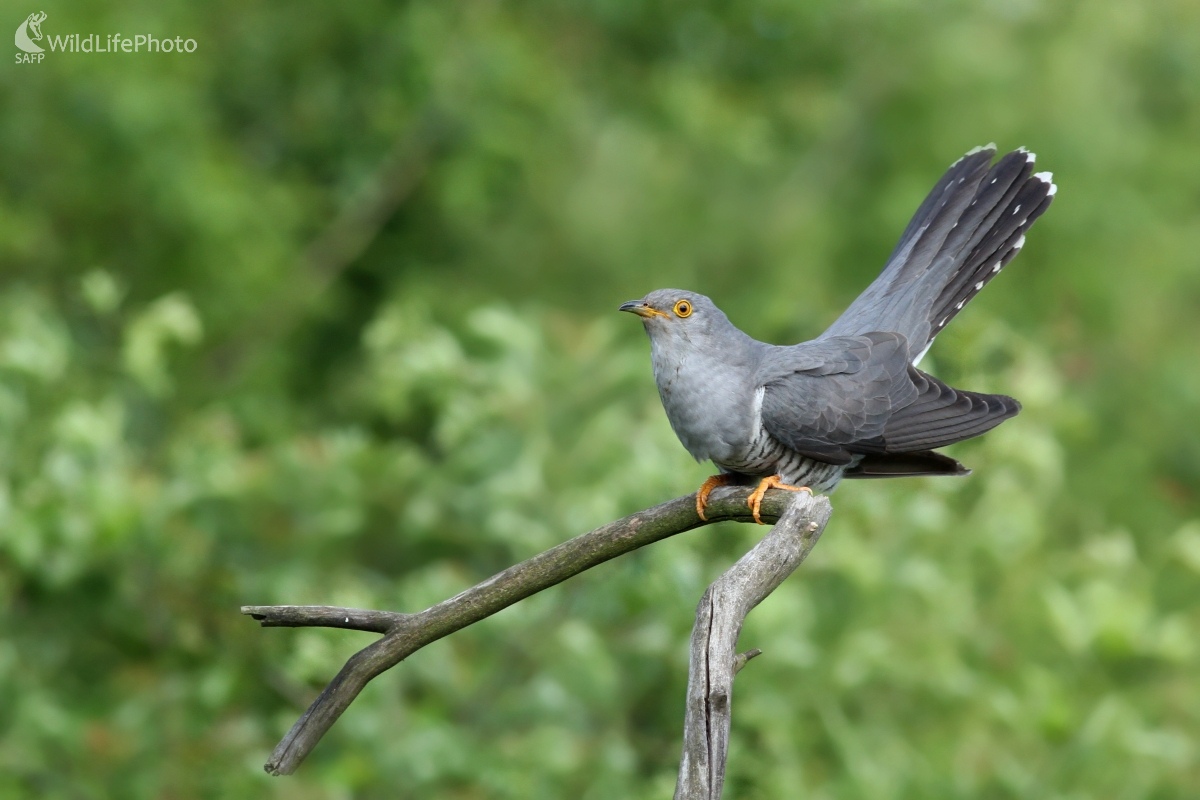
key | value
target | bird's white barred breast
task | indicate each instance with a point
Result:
(765, 455)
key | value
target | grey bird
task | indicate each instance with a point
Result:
(850, 403)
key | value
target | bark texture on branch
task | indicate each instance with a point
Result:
(714, 658)
(406, 633)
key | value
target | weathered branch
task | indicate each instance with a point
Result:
(404, 634)
(353, 619)
(719, 618)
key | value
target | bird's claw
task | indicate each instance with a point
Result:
(706, 489)
(770, 482)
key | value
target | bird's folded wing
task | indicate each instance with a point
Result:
(943, 415)
(840, 397)
(832, 398)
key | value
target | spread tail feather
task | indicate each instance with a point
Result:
(993, 231)
(968, 228)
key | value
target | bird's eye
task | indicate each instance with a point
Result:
(683, 309)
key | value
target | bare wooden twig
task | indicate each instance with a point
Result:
(404, 634)
(719, 618)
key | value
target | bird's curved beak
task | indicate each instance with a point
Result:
(641, 309)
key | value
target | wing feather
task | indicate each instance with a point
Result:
(845, 397)
(833, 411)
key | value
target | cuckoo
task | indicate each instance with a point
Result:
(852, 402)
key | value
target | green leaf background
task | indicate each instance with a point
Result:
(325, 312)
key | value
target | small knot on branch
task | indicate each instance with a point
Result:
(743, 659)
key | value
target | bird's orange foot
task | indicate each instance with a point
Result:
(724, 479)
(771, 482)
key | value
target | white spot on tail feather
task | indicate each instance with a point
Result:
(974, 150)
(979, 286)
(997, 267)
(1019, 243)
(1047, 177)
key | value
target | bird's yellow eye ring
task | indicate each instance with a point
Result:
(683, 309)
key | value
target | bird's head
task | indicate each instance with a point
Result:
(677, 317)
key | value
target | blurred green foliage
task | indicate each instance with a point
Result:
(325, 313)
